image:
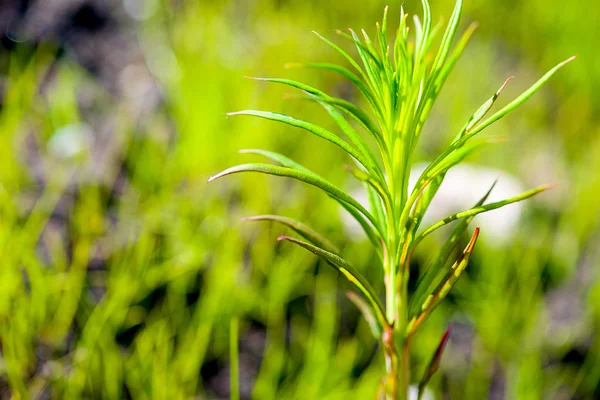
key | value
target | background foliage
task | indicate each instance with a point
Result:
(121, 269)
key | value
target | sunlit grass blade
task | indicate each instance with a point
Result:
(312, 128)
(367, 313)
(434, 364)
(484, 208)
(308, 177)
(435, 268)
(303, 230)
(442, 290)
(353, 276)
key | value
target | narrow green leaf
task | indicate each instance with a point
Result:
(367, 313)
(459, 155)
(434, 364)
(280, 158)
(484, 208)
(382, 190)
(358, 115)
(353, 276)
(308, 177)
(438, 78)
(447, 67)
(372, 65)
(432, 273)
(347, 74)
(521, 99)
(344, 54)
(483, 110)
(447, 39)
(442, 290)
(356, 140)
(347, 107)
(425, 199)
(287, 162)
(374, 236)
(426, 28)
(375, 204)
(303, 230)
(312, 128)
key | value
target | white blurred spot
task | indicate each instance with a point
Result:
(162, 62)
(140, 9)
(413, 393)
(136, 81)
(70, 141)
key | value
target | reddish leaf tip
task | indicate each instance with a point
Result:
(283, 237)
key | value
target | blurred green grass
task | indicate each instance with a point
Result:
(122, 268)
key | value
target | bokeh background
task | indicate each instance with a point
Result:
(121, 269)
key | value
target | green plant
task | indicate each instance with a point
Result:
(400, 82)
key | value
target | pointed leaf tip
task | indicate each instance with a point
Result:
(471, 244)
(504, 85)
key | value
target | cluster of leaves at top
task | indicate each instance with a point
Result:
(400, 82)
